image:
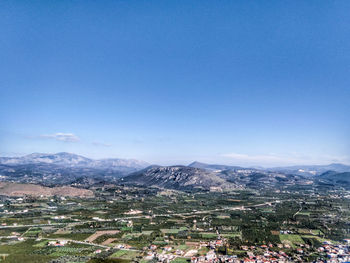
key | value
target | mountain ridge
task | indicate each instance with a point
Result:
(178, 177)
(294, 169)
(64, 168)
(71, 169)
(71, 160)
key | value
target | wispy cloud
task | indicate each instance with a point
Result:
(63, 137)
(101, 144)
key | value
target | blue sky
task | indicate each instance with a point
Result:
(236, 82)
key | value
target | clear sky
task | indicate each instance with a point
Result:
(169, 82)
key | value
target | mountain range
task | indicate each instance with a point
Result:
(179, 178)
(212, 177)
(310, 170)
(73, 160)
(63, 168)
(313, 169)
(71, 169)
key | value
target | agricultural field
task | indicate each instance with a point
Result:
(142, 225)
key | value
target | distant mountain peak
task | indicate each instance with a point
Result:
(178, 177)
(69, 163)
(196, 163)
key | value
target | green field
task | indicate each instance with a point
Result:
(23, 252)
(293, 239)
(209, 235)
(173, 230)
(125, 254)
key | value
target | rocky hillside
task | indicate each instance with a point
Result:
(179, 178)
(253, 177)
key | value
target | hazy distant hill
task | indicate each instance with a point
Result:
(73, 160)
(64, 167)
(178, 177)
(212, 166)
(253, 178)
(309, 170)
(62, 159)
(313, 169)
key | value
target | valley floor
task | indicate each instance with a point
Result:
(133, 224)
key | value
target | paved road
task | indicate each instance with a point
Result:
(301, 208)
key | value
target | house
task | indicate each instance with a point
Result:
(153, 247)
(58, 243)
(133, 212)
(218, 242)
(167, 248)
(210, 255)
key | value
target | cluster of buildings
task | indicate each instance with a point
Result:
(336, 253)
(267, 256)
(152, 253)
(213, 257)
(258, 254)
(254, 254)
(167, 254)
